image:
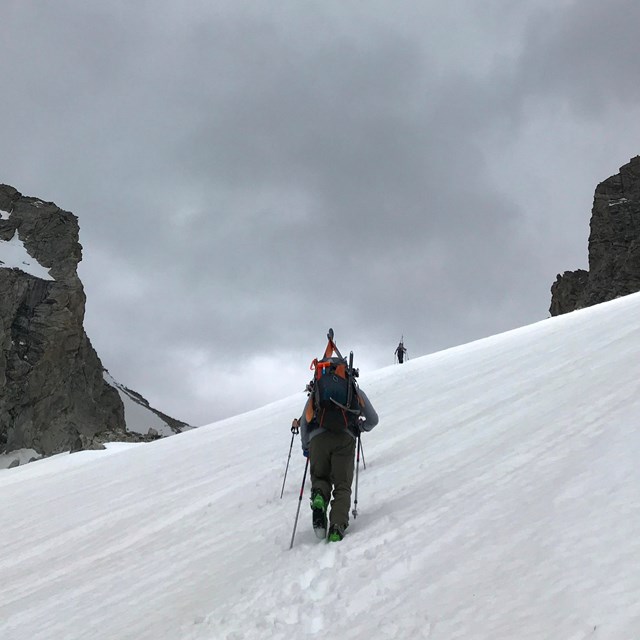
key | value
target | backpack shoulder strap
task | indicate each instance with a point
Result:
(309, 410)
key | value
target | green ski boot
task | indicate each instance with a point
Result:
(336, 533)
(319, 511)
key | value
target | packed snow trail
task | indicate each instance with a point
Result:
(499, 501)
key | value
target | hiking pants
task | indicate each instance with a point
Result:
(332, 457)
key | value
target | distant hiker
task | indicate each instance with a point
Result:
(401, 352)
(335, 414)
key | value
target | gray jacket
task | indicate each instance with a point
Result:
(309, 429)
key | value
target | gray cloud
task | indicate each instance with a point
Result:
(585, 55)
(247, 175)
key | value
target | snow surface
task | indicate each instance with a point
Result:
(4, 215)
(14, 255)
(500, 501)
(21, 456)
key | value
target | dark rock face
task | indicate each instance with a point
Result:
(54, 392)
(614, 246)
(567, 291)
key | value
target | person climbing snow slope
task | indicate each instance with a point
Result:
(337, 411)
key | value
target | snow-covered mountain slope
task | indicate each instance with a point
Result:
(140, 417)
(500, 500)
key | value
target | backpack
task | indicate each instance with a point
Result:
(334, 391)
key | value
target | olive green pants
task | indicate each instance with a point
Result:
(332, 457)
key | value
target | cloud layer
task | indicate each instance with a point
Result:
(247, 175)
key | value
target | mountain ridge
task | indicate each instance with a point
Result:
(53, 396)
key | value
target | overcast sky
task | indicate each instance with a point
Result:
(248, 174)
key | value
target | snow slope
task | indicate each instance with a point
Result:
(500, 500)
(138, 415)
(14, 255)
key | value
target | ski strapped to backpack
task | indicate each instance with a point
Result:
(333, 392)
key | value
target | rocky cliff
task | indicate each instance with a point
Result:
(614, 246)
(53, 393)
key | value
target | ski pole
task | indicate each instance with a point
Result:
(355, 502)
(295, 524)
(294, 431)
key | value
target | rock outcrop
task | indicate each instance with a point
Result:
(53, 392)
(614, 246)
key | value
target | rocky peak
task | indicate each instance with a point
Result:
(614, 246)
(53, 393)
